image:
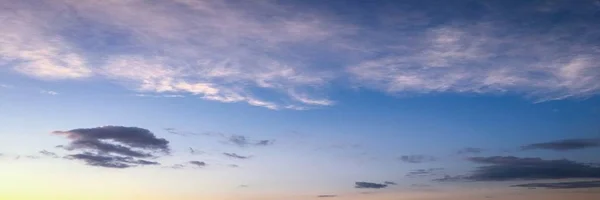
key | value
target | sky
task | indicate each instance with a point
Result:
(270, 100)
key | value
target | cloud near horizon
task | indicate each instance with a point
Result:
(510, 168)
(562, 185)
(565, 145)
(369, 185)
(284, 56)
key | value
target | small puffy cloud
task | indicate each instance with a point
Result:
(114, 146)
(470, 150)
(6, 86)
(198, 163)
(416, 158)
(49, 92)
(565, 145)
(562, 185)
(369, 185)
(177, 166)
(424, 172)
(506, 168)
(236, 156)
(243, 141)
(48, 154)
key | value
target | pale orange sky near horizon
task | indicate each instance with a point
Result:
(33, 180)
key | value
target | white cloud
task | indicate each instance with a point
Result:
(49, 92)
(6, 86)
(23, 40)
(477, 59)
(282, 57)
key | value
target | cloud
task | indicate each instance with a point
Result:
(423, 172)
(234, 155)
(417, 158)
(239, 52)
(506, 168)
(114, 146)
(110, 161)
(286, 55)
(177, 166)
(369, 185)
(195, 152)
(389, 183)
(489, 54)
(48, 154)
(565, 145)
(49, 92)
(6, 86)
(326, 196)
(470, 150)
(198, 163)
(562, 185)
(243, 141)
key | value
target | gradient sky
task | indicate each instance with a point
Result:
(266, 100)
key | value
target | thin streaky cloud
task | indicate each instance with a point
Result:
(229, 52)
(565, 145)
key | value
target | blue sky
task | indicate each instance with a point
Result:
(300, 99)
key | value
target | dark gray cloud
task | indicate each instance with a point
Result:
(131, 136)
(114, 146)
(327, 196)
(562, 185)
(107, 148)
(110, 161)
(505, 168)
(424, 172)
(234, 166)
(198, 163)
(243, 141)
(389, 183)
(565, 145)
(48, 154)
(234, 155)
(470, 150)
(369, 185)
(416, 158)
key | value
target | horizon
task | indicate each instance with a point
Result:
(267, 100)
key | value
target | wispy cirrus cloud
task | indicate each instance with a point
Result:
(265, 55)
